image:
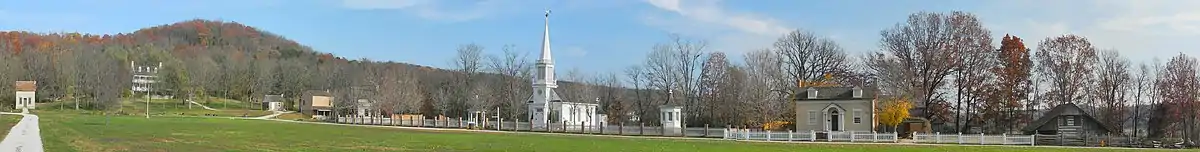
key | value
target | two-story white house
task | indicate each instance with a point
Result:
(144, 77)
(835, 109)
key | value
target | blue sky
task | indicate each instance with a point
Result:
(609, 35)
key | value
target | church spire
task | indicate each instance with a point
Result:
(546, 41)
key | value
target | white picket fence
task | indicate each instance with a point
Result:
(850, 136)
(1003, 139)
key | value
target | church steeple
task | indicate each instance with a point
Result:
(546, 42)
(543, 84)
(545, 64)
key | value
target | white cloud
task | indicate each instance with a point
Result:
(430, 9)
(1140, 30)
(727, 30)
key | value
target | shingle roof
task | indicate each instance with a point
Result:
(1063, 109)
(833, 93)
(25, 86)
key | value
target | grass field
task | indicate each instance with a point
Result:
(172, 107)
(7, 122)
(71, 131)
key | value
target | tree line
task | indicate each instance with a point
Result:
(945, 63)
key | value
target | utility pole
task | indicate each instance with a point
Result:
(148, 100)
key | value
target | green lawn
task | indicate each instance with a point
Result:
(7, 122)
(171, 107)
(71, 131)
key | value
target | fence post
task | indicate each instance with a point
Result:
(705, 130)
(725, 134)
(748, 134)
(960, 141)
(851, 136)
(621, 129)
(937, 137)
(581, 128)
(874, 136)
(641, 128)
(1005, 141)
(790, 138)
(768, 135)
(895, 137)
(812, 135)
(981, 141)
(1033, 139)
(829, 136)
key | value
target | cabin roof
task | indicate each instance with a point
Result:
(1064, 109)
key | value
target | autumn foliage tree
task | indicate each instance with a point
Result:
(1012, 84)
(1178, 86)
(893, 110)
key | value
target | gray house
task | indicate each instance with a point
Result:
(1068, 120)
(835, 109)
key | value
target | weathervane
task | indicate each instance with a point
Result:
(547, 12)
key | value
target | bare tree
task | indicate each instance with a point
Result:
(919, 55)
(1142, 82)
(1065, 65)
(637, 78)
(1113, 80)
(808, 57)
(762, 87)
(469, 62)
(517, 67)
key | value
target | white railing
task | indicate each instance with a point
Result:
(981, 139)
(744, 134)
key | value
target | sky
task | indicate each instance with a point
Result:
(610, 35)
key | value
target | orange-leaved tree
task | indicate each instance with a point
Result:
(893, 110)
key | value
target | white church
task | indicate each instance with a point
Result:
(545, 106)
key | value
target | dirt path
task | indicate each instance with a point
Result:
(25, 136)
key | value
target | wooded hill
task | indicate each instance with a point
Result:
(206, 58)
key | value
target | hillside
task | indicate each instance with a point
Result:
(206, 58)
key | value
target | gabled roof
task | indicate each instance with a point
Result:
(1063, 109)
(553, 97)
(25, 86)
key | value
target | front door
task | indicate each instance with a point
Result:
(834, 122)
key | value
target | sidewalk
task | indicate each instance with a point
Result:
(24, 137)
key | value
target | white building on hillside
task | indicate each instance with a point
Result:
(545, 106)
(144, 77)
(26, 93)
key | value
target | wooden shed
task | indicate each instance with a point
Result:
(1068, 120)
